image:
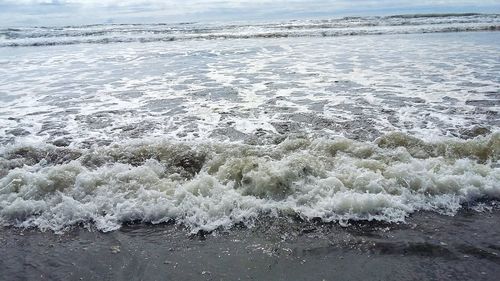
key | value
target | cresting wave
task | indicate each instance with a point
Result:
(206, 186)
(349, 26)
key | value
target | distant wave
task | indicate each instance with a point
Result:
(436, 15)
(348, 26)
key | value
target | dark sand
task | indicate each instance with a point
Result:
(428, 247)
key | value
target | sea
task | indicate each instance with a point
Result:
(355, 124)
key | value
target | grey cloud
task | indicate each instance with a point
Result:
(48, 12)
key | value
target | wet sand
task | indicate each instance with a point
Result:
(427, 247)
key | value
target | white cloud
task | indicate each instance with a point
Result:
(242, 3)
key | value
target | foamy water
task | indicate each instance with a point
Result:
(210, 133)
(162, 32)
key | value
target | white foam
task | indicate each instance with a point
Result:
(336, 180)
(68, 88)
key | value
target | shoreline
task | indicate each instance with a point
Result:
(428, 247)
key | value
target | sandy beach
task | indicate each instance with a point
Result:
(427, 247)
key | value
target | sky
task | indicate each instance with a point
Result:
(70, 12)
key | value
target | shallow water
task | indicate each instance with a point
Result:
(206, 186)
(213, 133)
(257, 91)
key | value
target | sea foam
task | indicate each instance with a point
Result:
(207, 186)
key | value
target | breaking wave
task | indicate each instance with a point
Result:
(349, 26)
(207, 186)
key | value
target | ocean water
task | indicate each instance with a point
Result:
(212, 126)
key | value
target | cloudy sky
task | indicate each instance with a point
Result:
(56, 12)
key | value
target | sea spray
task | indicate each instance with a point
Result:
(206, 186)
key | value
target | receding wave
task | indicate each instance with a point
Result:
(206, 186)
(349, 26)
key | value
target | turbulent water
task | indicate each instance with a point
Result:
(288, 119)
(350, 26)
